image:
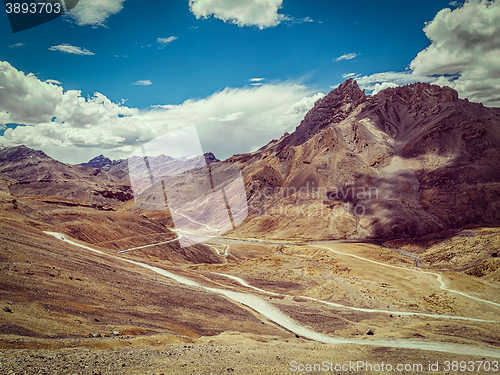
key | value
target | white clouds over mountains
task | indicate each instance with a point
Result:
(464, 54)
(465, 42)
(26, 100)
(233, 120)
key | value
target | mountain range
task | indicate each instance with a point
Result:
(406, 162)
(374, 223)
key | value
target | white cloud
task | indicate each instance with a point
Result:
(54, 118)
(17, 45)
(67, 48)
(164, 106)
(293, 20)
(24, 98)
(75, 129)
(165, 41)
(256, 79)
(95, 12)
(53, 81)
(232, 117)
(145, 82)
(398, 78)
(229, 117)
(260, 13)
(464, 54)
(301, 107)
(347, 56)
(382, 86)
(349, 75)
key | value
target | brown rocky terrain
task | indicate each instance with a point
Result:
(54, 295)
(406, 162)
(26, 172)
(411, 257)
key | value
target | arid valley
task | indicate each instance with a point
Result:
(95, 279)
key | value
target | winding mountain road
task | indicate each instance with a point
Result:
(442, 284)
(275, 315)
(154, 244)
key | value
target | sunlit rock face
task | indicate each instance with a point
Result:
(405, 162)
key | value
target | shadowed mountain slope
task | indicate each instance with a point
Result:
(406, 162)
(27, 172)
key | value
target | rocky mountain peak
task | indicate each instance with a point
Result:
(332, 108)
(19, 152)
(210, 158)
(417, 93)
(102, 162)
(347, 92)
(432, 158)
(99, 162)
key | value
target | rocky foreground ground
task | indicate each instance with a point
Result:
(228, 353)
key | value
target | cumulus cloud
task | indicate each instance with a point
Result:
(145, 82)
(17, 45)
(347, 56)
(382, 86)
(67, 48)
(165, 41)
(52, 116)
(53, 81)
(75, 129)
(300, 108)
(260, 13)
(95, 12)
(464, 53)
(230, 117)
(24, 98)
(396, 78)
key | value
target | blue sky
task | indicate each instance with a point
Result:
(141, 54)
(386, 35)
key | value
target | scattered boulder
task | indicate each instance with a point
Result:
(6, 309)
(369, 331)
(116, 333)
(94, 335)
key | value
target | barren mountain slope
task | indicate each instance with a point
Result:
(54, 290)
(27, 172)
(406, 162)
